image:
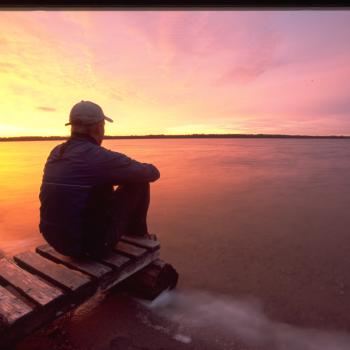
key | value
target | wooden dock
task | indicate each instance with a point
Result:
(38, 286)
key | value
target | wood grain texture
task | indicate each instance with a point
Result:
(116, 260)
(92, 268)
(26, 283)
(11, 307)
(130, 250)
(134, 267)
(146, 243)
(41, 315)
(57, 274)
(62, 271)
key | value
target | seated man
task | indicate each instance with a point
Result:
(81, 214)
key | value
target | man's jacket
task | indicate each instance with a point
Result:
(73, 171)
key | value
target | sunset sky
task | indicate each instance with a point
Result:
(177, 72)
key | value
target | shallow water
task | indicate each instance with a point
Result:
(262, 219)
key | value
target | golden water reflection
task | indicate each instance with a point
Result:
(189, 176)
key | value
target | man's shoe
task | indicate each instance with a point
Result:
(152, 236)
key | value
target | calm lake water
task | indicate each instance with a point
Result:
(261, 220)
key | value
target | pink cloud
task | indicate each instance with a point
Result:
(278, 70)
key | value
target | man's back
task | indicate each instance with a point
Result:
(74, 170)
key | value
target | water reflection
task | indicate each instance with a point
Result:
(266, 218)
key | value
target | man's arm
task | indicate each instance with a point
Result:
(118, 168)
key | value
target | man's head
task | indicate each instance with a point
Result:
(88, 118)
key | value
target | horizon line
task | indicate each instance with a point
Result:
(159, 136)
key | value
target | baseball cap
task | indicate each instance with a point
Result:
(86, 113)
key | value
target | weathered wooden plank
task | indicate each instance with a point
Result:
(146, 243)
(130, 250)
(28, 284)
(42, 315)
(133, 267)
(92, 268)
(11, 308)
(55, 273)
(126, 260)
(116, 261)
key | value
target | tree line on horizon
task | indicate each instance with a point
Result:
(161, 136)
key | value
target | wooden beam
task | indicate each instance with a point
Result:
(27, 284)
(11, 308)
(92, 268)
(116, 261)
(146, 243)
(130, 250)
(57, 274)
(49, 268)
(41, 315)
(152, 280)
(130, 269)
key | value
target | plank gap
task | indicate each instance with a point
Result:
(57, 274)
(28, 284)
(34, 273)
(86, 266)
(21, 297)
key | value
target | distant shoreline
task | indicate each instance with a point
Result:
(192, 136)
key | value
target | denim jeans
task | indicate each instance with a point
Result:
(112, 214)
